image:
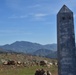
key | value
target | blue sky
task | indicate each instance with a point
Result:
(31, 20)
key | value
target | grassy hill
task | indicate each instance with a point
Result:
(22, 70)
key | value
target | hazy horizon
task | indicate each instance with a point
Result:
(27, 41)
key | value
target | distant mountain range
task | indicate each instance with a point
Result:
(46, 53)
(42, 52)
(31, 48)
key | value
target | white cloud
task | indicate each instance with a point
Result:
(34, 6)
(40, 15)
(31, 16)
(34, 16)
(20, 16)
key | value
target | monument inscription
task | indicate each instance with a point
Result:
(65, 42)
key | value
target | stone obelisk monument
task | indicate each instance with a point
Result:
(65, 42)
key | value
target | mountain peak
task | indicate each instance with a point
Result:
(27, 47)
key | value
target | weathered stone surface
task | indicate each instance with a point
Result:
(65, 42)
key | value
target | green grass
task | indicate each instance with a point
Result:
(15, 70)
(7, 70)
